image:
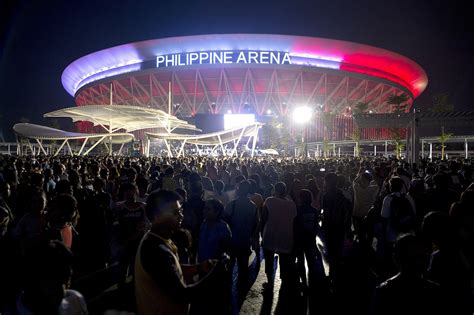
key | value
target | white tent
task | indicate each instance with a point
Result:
(115, 117)
(214, 140)
(40, 134)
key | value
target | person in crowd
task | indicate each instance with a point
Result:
(336, 223)
(193, 211)
(132, 223)
(159, 277)
(168, 182)
(61, 217)
(32, 225)
(399, 211)
(448, 265)
(215, 235)
(142, 185)
(312, 186)
(441, 196)
(241, 215)
(364, 197)
(215, 240)
(408, 292)
(49, 185)
(306, 228)
(219, 193)
(257, 199)
(97, 222)
(48, 270)
(278, 217)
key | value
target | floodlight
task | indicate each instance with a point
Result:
(302, 115)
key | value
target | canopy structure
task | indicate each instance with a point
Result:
(40, 134)
(129, 118)
(270, 151)
(215, 140)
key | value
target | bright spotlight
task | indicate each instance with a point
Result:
(229, 112)
(302, 115)
(269, 111)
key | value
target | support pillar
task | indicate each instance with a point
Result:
(466, 148)
(375, 150)
(386, 148)
(431, 151)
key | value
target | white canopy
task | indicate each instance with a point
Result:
(214, 139)
(33, 131)
(269, 151)
(129, 118)
(42, 133)
(224, 136)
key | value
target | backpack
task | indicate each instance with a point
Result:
(402, 217)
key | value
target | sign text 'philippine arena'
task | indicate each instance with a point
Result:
(249, 73)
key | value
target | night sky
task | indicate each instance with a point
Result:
(38, 39)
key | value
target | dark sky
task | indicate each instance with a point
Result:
(38, 39)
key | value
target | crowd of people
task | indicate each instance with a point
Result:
(177, 229)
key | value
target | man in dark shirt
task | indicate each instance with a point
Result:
(408, 292)
(160, 286)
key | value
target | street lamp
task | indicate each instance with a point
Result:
(302, 115)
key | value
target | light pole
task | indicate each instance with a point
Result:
(302, 115)
(415, 137)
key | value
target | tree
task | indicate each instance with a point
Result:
(441, 103)
(443, 138)
(356, 137)
(400, 102)
(395, 134)
(326, 148)
(327, 119)
(359, 108)
(274, 136)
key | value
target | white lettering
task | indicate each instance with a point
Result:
(264, 57)
(253, 55)
(159, 60)
(228, 56)
(286, 59)
(193, 57)
(169, 60)
(203, 56)
(241, 58)
(179, 61)
(216, 57)
(275, 58)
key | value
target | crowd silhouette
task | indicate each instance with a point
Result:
(187, 235)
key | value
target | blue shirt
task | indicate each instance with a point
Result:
(212, 240)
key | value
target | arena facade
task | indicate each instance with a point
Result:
(248, 73)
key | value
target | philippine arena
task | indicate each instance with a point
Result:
(264, 75)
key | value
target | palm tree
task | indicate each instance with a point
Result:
(356, 137)
(359, 108)
(400, 102)
(327, 120)
(443, 138)
(397, 141)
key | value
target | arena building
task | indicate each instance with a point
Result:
(248, 73)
